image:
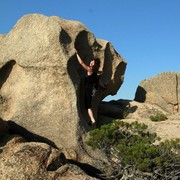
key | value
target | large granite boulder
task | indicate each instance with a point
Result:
(41, 81)
(162, 90)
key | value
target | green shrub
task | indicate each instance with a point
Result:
(158, 117)
(133, 145)
(126, 112)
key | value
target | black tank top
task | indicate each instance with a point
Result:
(91, 80)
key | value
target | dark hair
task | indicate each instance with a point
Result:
(96, 65)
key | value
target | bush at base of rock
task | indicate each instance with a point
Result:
(131, 145)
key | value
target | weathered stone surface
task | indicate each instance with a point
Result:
(162, 90)
(21, 160)
(41, 79)
(74, 173)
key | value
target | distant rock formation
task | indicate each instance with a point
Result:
(41, 81)
(162, 90)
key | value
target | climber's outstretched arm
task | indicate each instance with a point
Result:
(87, 68)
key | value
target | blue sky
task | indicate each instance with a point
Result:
(145, 32)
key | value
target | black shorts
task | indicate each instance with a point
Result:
(88, 98)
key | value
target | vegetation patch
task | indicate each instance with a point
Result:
(158, 117)
(131, 150)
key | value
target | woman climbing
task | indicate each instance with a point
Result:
(91, 80)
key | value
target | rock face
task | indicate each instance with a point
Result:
(41, 81)
(162, 90)
(21, 160)
(28, 160)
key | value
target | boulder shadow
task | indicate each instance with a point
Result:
(5, 71)
(88, 169)
(14, 128)
(140, 95)
(112, 110)
(133, 109)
